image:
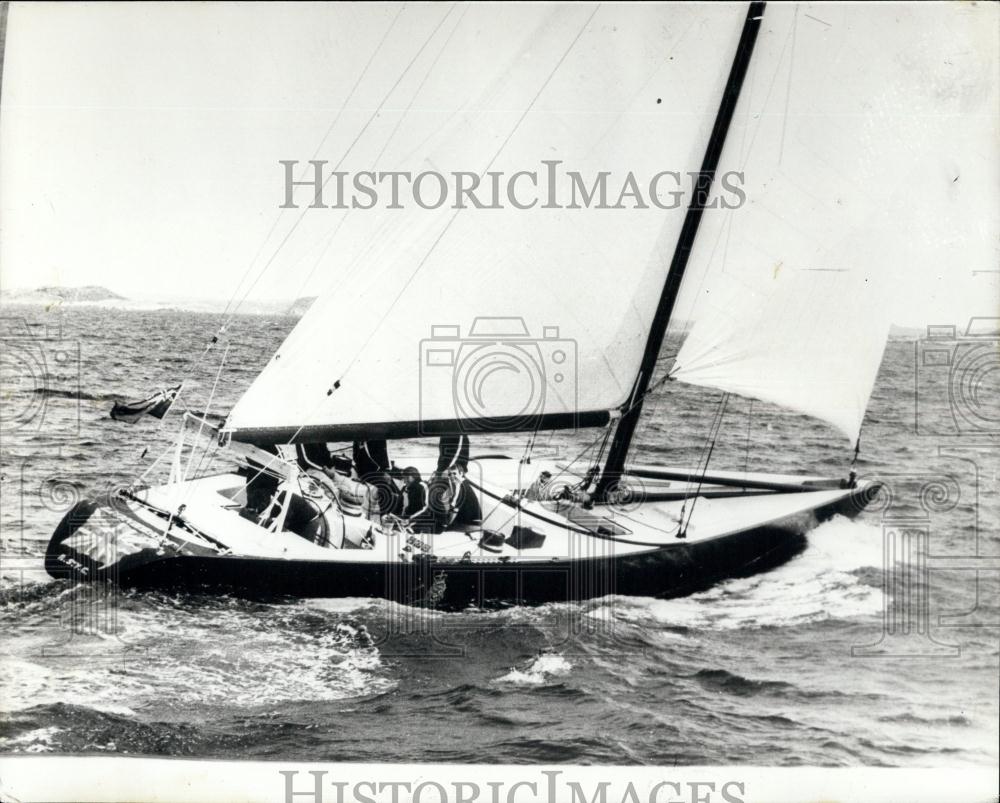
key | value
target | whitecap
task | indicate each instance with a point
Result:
(819, 584)
(539, 671)
(38, 740)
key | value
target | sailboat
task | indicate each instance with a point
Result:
(455, 321)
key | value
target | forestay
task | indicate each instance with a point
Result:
(868, 145)
(391, 347)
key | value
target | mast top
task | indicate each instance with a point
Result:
(661, 320)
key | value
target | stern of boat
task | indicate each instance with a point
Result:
(104, 538)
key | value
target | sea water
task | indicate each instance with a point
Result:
(829, 659)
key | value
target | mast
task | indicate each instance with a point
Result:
(661, 319)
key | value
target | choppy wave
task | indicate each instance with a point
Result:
(67, 393)
(128, 652)
(825, 582)
(754, 670)
(539, 671)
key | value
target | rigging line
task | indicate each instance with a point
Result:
(451, 220)
(698, 466)
(166, 450)
(716, 426)
(207, 453)
(713, 433)
(180, 389)
(350, 147)
(746, 454)
(170, 519)
(599, 457)
(172, 444)
(362, 260)
(529, 447)
(579, 455)
(525, 460)
(208, 407)
(135, 469)
(176, 403)
(483, 172)
(625, 409)
(385, 146)
(319, 147)
(230, 312)
(686, 239)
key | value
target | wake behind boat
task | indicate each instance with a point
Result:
(796, 318)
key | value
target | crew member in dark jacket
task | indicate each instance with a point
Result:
(416, 510)
(371, 458)
(453, 453)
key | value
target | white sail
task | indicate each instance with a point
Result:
(506, 318)
(868, 144)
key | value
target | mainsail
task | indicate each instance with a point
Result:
(853, 185)
(506, 318)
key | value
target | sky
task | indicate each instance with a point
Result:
(140, 143)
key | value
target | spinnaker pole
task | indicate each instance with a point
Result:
(615, 464)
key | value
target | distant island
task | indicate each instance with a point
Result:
(95, 296)
(88, 294)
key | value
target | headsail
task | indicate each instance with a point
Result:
(508, 318)
(865, 162)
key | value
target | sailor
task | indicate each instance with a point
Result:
(371, 458)
(465, 504)
(538, 491)
(313, 455)
(371, 462)
(851, 481)
(416, 510)
(442, 490)
(453, 454)
(262, 480)
(583, 493)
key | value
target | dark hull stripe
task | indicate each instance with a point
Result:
(677, 569)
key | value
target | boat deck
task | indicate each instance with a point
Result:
(567, 530)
